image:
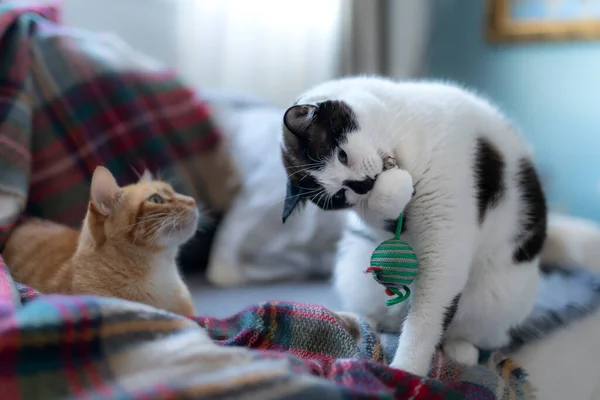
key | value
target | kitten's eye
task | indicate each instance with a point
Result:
(342, 156)
(156, 199)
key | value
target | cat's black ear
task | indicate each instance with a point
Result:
(297, 119)
(293, 197)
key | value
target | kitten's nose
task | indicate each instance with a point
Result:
(361, 187)
(187, 200)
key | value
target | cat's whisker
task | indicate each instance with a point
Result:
(175, 223)
(153, 216)
(142, 220)
(162, 226)
(315, 195)
(157, 228)
(323, 193)
(135, 171)
(313, 160)
(328, 201)
(307, 165)
(151, 231)
(297, 172)
(325, 196)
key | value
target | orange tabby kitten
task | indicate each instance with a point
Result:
(126, 247)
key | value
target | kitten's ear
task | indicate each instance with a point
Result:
(297, 119)
(293, 198)
(105, 193)
(146, 176)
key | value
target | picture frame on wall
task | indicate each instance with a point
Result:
(542, 20)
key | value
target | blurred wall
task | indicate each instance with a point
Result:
(550, 90)
(149, 26)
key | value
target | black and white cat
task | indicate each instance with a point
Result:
(474, 208)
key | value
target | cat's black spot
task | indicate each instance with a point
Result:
(317, 196)
(361, 187)
(451, 312)
(489, 176)
(533, 220)
(390, 225)
(312, 133)
(338, 119)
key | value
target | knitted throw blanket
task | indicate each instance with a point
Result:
(83, 347)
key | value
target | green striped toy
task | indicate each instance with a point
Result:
(394, 265)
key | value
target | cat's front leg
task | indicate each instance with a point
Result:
(444, 250)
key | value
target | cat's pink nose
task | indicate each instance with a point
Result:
(187, 200)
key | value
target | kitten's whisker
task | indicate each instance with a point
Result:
(146, 219)
(151, 216)
(141, 221)
(153, 230)
(157, 231)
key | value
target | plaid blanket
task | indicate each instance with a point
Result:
(78, 347)
(72, 100)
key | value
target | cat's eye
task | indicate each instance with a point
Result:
(340, 194)
(342, 156)
(156, 199)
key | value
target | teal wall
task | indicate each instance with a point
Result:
(550, 90)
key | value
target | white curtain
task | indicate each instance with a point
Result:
(271, 48)
(275, 48)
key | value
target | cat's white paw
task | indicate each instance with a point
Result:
(391, 193)
(413, 365)
(462, 352)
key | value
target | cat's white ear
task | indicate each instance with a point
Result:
(297, 119)
(146, 176)
(105, 193)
